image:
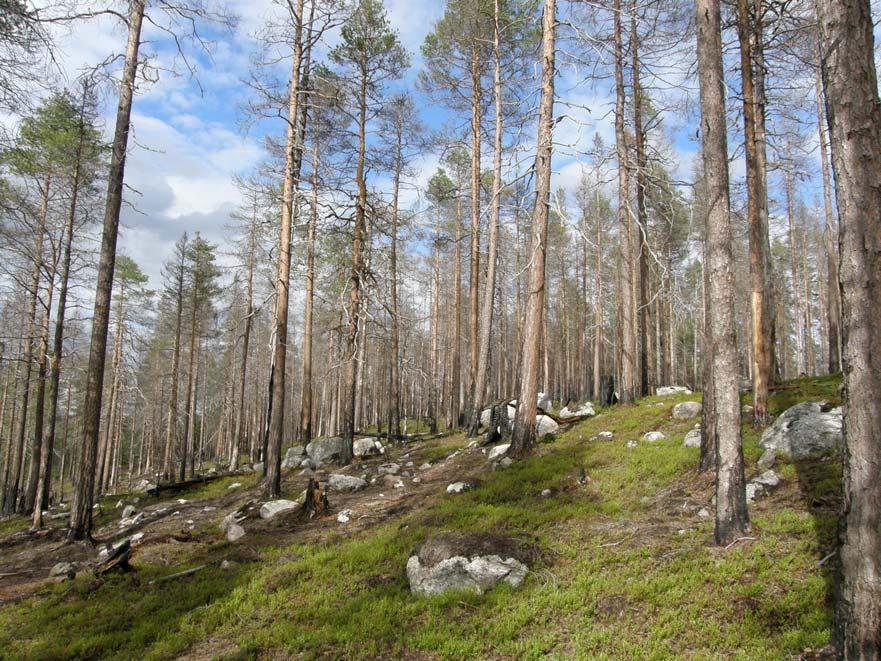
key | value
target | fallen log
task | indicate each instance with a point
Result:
(180, 574)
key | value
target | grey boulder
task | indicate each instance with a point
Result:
(666, 391)
(692, 439)
(804, 431)
(545, 425)
(687, 410)
(339, 482)
(761, 485)
(466, 561)
(323, 450)
(273, 508)
(583, 411)
(498, 451)
(293, 457)
(365, 447)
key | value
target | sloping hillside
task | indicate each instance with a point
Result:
(625, 563)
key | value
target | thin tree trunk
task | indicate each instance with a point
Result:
(474, 271)
(10, 500)
(732, 518)
(627, 387)
(523, 435)
(749, 30)
(493, 240)
(80, 525)
(833, 296)
(283, 278)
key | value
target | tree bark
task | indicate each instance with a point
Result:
(854, 118)
(523, 435)
(732, 518)
(627, 383)
(80, 525)
(493, 239)
(749, 31)
(10, 499)
(833, 291)
(283, 278)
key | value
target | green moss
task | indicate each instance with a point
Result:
(622, 572)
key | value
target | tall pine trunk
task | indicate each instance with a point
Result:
(523, 435)
(493, 240)
(80, 525)
(731, 514)
(854, 118)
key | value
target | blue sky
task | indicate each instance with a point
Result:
(188, 142)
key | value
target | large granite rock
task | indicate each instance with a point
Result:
(545, 425)
(692, 439)
(804, 431)
(687, 410)
(272, 509)
(293, 457)
(583, 411)
(325, 450)
(366, 447)
(466, 561)
(498, 451)
(338, 482)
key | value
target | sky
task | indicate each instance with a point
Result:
(188, 141)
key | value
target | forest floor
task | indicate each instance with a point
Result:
(627, 567)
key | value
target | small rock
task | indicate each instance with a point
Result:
(653, 436)
(546, 493)
(632, 444)
(137, 537)
(128, 512)
(145, 486)
(767, 459)
(704, 513)
(761, 485)
(605, 436)
(666, 391)
(544, 402)
(459, 487)
(340, 482)
(692, 439)
(498, 451)
(344, 516)
(388, 469)
(417, 480)
(181, 501)
(273, 508)
(504, 462)
(545, 425)
(584, 411)
(63, 571)
(409, 464)
(234, 532)
(398, 484)
(228, 564)
(425, 467)
(687, 410)
(365, 447)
